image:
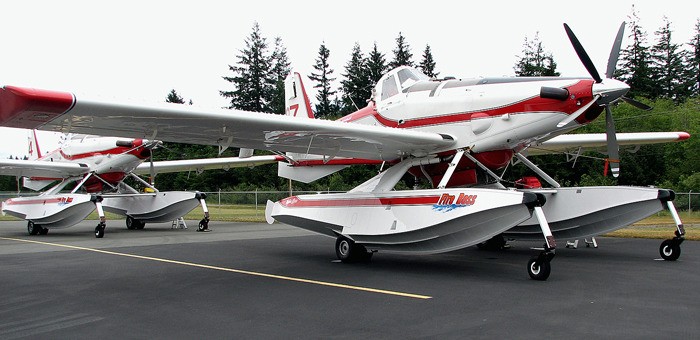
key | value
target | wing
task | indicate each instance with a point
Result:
(571, 143)
(61, 111)
(41, 169)
(205, 164)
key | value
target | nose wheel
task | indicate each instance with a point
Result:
(670, 250)
(539, 267)
(100, 230)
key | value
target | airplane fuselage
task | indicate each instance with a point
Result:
(492, 117)
(108, 157)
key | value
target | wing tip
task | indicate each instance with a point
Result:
(29, 108)
(683, 136)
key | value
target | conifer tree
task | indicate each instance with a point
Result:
(427, 64)
(691, 74)
(280, 70)
(535, 62)
(635, 68)
(667, 65)
(173, 97)
(323, 78)
(251, 76)
(402, 53)
(376, 64)
(355, 87)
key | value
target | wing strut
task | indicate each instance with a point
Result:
(537, 170)
(451, 169)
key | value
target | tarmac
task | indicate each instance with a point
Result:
(250, 280)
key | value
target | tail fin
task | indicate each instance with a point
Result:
(297, 102)
(34, 150)
(298, 105)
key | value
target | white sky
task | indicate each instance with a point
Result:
(140, 50)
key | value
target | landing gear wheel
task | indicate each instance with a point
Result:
(670, 250)
(44, 231)
(130, 223)
(33, 229)
(347, 251)
(133, 224)
(203, 225)
(100, 230)
(538, 270)
(343, 249)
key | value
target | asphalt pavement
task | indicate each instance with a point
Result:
(260, 281)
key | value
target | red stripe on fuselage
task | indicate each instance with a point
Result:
(296, 202)
(581, 91)
(134, 151)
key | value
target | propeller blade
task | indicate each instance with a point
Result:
(615, 52)
(573, 116)
(636, 104)
(581, 52)
(152, 170)
(613, 147)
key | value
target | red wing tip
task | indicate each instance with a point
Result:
(683, 135)
(29, 108)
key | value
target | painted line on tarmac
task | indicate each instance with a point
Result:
(231, 270)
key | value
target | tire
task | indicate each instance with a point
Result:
(344, 249)
(33, 229)
(134, 224)
(670, 250)
(44, 231)
(99, 231)
(203, 225)
(348, 252)
(130, 223)
(538, 272)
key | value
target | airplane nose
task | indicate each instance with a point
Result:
(610, 90)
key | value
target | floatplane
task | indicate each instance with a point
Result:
(456, 133)
(88, 173)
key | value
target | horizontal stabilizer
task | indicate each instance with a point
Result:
(307, 174)
(36, 185)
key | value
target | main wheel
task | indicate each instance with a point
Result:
(133, 224)
(539, 271)
(44, 231)
(344, 249)
(99, 231)
(670, 250)
(33, 229)
(130, 223)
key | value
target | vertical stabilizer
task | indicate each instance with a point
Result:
(34, 150)
(297, 101)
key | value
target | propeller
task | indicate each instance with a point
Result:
(582, 55)
(152, 147)
(608, 93)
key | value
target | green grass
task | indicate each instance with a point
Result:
(659, 225)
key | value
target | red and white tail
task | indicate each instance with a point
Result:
(297, 101)
(304, 167)
(34, 150)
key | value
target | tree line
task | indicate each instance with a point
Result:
(663, 73)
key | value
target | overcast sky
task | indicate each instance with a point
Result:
(140, 50)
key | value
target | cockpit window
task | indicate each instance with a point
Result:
(399, 80)
(407, 78)
(389, 88)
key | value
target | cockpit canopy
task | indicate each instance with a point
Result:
(397, 81)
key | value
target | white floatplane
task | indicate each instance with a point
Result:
(456, 133)
(90, 171)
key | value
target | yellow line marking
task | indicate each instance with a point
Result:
(232, 270)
